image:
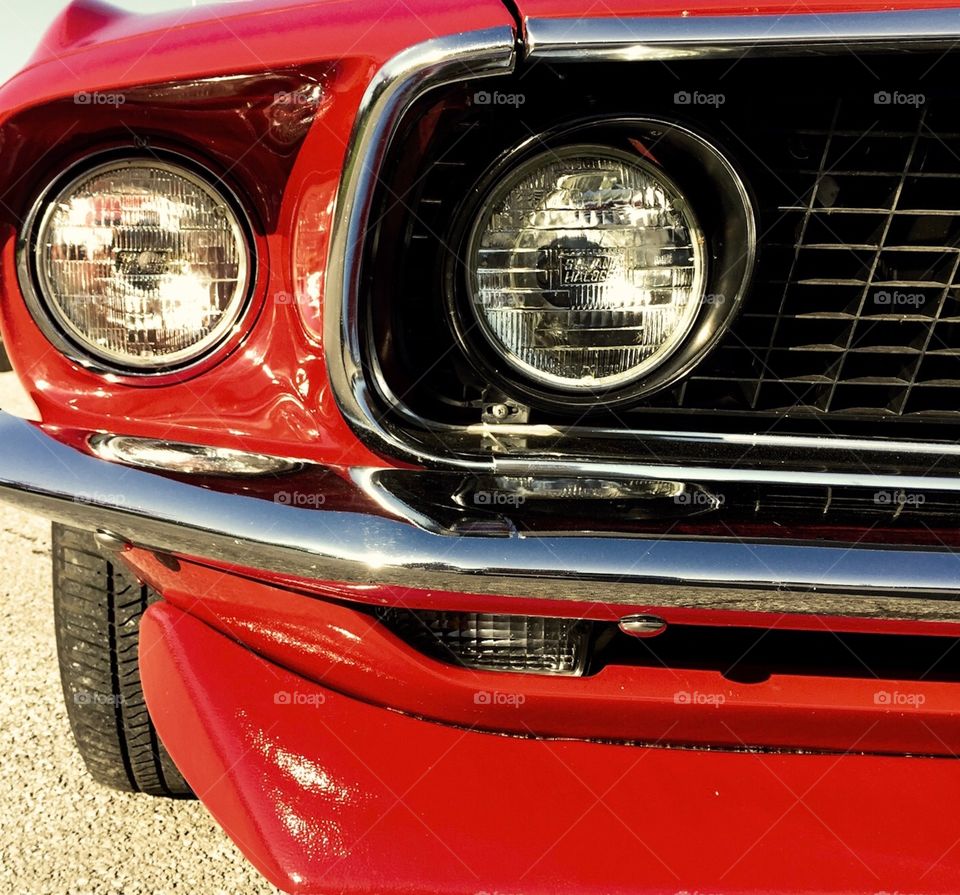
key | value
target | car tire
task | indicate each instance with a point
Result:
(98, 607)
(4, 360)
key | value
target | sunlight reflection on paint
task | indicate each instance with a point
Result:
(313, 825)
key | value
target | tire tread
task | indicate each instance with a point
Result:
(98, 608)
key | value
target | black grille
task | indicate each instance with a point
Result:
(853, 316)
(856, 307)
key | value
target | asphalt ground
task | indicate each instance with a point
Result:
(61, 833)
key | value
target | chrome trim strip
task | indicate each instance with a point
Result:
(366, 480)
(734, 474)
(40, 474)
(393, 90)
(815, 442)
(188, 459)
(180, 457)
(438, 62)
(675, 37)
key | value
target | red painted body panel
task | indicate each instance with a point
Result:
(325, 794)
(329, 792)
(350, 652)
(273, 394)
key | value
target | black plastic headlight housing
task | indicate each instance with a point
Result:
(600, 262)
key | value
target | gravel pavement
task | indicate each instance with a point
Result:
(61, 833)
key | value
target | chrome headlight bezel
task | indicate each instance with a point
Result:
(60, 331)
(719, 203)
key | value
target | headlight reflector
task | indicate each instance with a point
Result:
(142, 264)
(587, 268)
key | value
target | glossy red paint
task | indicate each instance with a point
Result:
(347, 650)
(272, 393)
(271, 693)
(328, 795)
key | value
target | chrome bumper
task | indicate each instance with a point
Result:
(370, 538)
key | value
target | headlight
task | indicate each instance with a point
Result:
(587, 268)
(142, 264)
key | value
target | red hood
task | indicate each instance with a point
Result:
(89, 24)
(84, 23)
(93, 45)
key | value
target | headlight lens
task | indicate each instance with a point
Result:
(143, 264)
(587, 268)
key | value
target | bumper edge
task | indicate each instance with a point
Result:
(362, 543)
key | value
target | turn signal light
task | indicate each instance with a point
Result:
(519, 643)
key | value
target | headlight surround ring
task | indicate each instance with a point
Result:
(719, 203)
(68, 338)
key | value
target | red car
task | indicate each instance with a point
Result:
(505, 447)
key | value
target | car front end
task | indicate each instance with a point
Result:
(532, 433)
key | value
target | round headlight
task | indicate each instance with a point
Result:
(142, 264)
(587, 268)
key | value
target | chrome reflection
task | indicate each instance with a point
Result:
(643, 625)
(350, 544)
(189, 459)
(558, 497)
(674, 37)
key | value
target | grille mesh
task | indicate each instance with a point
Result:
(855, 309)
